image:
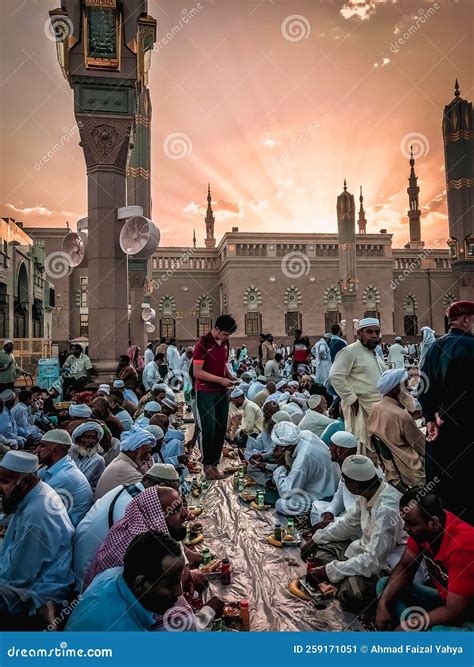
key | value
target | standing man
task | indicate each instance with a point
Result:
(80, 369)
(448, 371)
(396, 353)
(9, 369)
(261, 340)
(301, 350)
(172, 357)
(149, 354)
(354, 375)
(337, 342)
(212, 379)
(268, 350)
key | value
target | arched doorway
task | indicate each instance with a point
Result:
(20, 310)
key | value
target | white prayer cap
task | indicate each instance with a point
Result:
(135, 438)
(84, 428)
(165, 471)
(246, 376)
(261, 378)
(105, 388)
(281, 384)
(281, 416)
(159, 387)
(152, 406)
(118, 384)
(314, 400)
(328, 335)
(79, 410)
(169, 402)
(8, 341)
(344, 439)
(359, 468)
(286, 434)
(23, 462)
(293, 383)
(391, 379)
(368, 322)
(155, 430)
(57, 436)
(235, 393)
(244, 387)
(398, 339)
(7, 395)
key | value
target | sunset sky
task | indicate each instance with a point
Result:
(274, 102)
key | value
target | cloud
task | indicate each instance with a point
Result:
(221, 207)
(362, 9)
(193, 208)
(436, 205)
(42, 211)
(229, 207)
(271, 143)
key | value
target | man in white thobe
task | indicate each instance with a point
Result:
(315, 418)
(245, 417)
(305, 471)
(151, 374)
(354, 375)
(396, 354)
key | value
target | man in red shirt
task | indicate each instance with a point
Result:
(212, 379)
(446, 546)
(301, 350)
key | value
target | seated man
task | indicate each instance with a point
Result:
(116, 400)
(259, 451)
(245, 417)
(445, 545)
(78, 370)
(392, 423)
(8, 425)
(341, 446)
(36, 553)
(315, 418)
(305, 471)
(23, 414)
(353, 563)
(85, 451)
(262, 396)
(256, 387)
(296, 407)
(132, 462)
(128, 598)
(150, 409)
(108, 510)
(62, 474)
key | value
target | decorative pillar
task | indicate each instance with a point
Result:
(347, 254)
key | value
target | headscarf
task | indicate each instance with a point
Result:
(391, 379)
(135, 438)
(428, 335)
(144, 513)
(139, 362)
(87, 426)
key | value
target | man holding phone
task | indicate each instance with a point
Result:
(212, 379)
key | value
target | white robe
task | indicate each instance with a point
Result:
(338, 506)
(396, 355)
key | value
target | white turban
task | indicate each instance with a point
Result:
(7, 395)
(391, 379)
(293, 383)
(281, 416)
(105, 388)
(87, 426)
(244, 388)
(152, 406)
(136, 438)
(286, 434)
(359, 468)
(344, 439)
(368, 322)
(80, 410)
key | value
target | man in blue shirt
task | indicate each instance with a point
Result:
(36, 554)
(62, 474)
(8, 426)
(127, 598)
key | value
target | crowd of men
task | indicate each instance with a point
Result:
(367, 445)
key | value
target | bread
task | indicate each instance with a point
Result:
(197, 540)
(194, 512)
(288, 538)
(275, 543)
(196, 493)
(295, 590)
(254, 506)
(212, 566)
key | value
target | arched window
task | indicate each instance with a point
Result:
(253, 317)
(331, 299)
(371, 300)
(204, 310)
(410, 319)
(293, 317)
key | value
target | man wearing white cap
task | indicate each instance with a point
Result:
(245, 417)
(396, 354)
(353, 562)
(315, 418)
(395, 427)
(9, 369)
(256, 387)
(85, 451)
(103, 391)
(354, 375)
(62, 474)
(259, 451)
(262, 396)
(36, 552)
(341, 445)
(305, 471)
(295, 406)
(151, 408)
(272, 368)
(8, 425)
(129, 466)
(151, 374)
(322, 355)
(106, 511)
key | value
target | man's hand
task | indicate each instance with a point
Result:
(255, 458)
(200, 582)
(225, 382)
(307, 550)
(317, 576)
(383, 617)
(355, 408)
(326, 519)
(217, 605)
(184, 459)
(432, 431)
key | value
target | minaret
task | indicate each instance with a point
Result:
(347, 253)
(194, 238)
(362, 222)
(414, 212)
(459, 159)
(210, 241)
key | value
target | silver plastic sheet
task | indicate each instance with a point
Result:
(260, 572)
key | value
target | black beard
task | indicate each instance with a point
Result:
(370, 344)
(11, 503)
(178, 533)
